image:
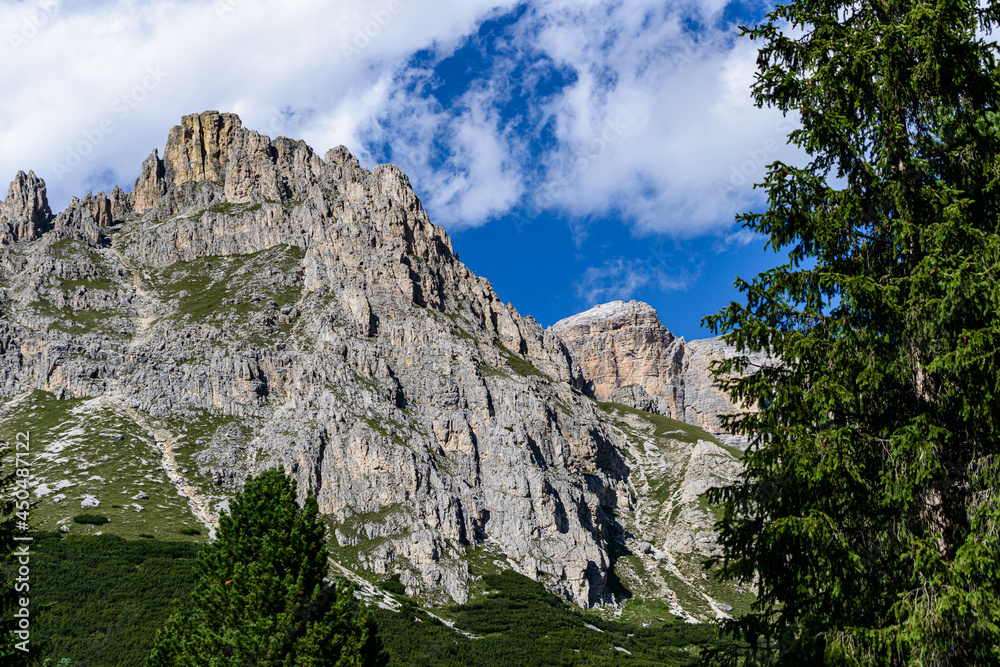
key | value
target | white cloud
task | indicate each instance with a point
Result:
(735, 240)
(693, 143)
(657, 127)
(75, 93)
(478, 177)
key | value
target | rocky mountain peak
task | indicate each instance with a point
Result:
(25, 213)
(631, 358)
(199, 148)
(613, 314)
(252, 304)
(214, 149)
(622, 343)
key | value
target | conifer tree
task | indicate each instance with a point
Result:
(261, 599)
(867, 517)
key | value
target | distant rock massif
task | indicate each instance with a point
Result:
(629, 357)
(250, 304)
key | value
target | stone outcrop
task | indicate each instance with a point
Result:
(262, 169)
(210, 158)
(25, 213)
(255, 305)
(85, 219)
(121, 204)
(151, 184)
(199, 148)
(629, 357)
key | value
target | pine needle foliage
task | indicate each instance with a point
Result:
(260, 599)
(868, 515)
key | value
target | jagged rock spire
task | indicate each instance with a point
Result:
(25, 213)
(85, 218)
(215, 147)
(151, 184)
(198, 149)
(121, 204)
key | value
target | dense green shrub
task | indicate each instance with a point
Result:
(93, 519)
(100, 599)
(393, 585)
(520, 624)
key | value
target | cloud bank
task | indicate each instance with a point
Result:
(635, 109)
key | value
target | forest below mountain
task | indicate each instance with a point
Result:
(102, 599)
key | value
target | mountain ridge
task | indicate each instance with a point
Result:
(249, 303)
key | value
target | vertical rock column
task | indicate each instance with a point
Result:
(25, 213)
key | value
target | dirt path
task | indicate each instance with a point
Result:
(167, 441)
(147, 315)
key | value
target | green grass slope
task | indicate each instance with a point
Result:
(85, 449)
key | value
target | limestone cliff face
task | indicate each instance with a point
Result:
(630, 357)
(251, 304)
(199, 148)
(25, 213)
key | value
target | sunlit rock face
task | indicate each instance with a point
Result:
(631, 358)
(251, 304)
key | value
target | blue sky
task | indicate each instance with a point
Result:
(577, 151)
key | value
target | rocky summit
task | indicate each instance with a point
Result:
(250, 303)
(628, 356)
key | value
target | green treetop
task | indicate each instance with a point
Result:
(867, 515)
(261, 598)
